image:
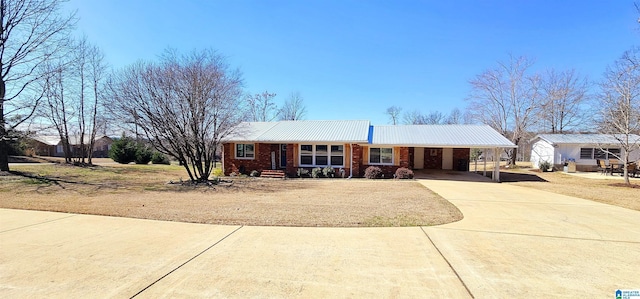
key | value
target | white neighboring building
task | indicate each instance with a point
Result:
(584, 149)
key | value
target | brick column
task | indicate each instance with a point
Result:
(357, 160)
(404, 157)
(291, 170)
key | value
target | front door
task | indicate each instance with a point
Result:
(283, 156)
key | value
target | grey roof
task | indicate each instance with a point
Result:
(584, 138)
(356, 131)
(471, 136)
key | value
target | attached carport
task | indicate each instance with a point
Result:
(435, 146)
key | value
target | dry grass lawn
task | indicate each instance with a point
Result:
(604, 191)
(142, 192)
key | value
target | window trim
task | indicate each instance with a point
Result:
(380, 163)
(244, 150)
(314, 155)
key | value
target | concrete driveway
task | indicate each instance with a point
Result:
(513, 242)
(519, 242)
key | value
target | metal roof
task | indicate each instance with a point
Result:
(468, 136)
(356, 131)
(360, 131)
(584, 138)
(46, 139)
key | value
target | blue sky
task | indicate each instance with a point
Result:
(353, 59)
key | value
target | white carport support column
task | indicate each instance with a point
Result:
(484, 153)
(496, 166)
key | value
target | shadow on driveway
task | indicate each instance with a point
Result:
(465, 176)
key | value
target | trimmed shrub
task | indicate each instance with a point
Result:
(159, 158)
(373, 172)
(316, 172)
(329, 172)
(544, 166)
(143, 155)
(404, 173)
(302, 172)
(254, 174)
(123, 150)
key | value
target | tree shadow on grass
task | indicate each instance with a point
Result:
(51, 180)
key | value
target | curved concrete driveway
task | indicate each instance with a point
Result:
(519, 242)
(513, 242)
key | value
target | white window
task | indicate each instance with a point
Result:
(597, 153)
(321, 155)
(245, 151)
(380, 155)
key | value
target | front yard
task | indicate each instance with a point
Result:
(142, 192)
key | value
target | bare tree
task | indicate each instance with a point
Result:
(58, 109)
(394, 114)
(507, 99)
(620, 104)
(434, 118)
(293, 108)
(563, 97)
(414, 117)
(262, 107)
(185, 105)
(455, 117)
(97, 69)
(72, 91)
(31, 32)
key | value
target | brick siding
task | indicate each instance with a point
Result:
(261, 161)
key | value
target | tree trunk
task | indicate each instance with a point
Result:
(4, 147)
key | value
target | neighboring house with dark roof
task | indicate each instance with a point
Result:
(353, 146)
(51, 145)
(584, 149)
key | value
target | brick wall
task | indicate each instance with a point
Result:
(404, 157)
(261, 161)
(291, 158)
(432, 162)
(461, 154)
(412, 153)
(390, 170)
(358, 169)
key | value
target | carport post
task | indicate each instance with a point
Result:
(484, 153)
(496, 168)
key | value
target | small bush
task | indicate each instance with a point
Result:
(544, 166)
(217, 172)
(159, 158)
(404, 173)
(316, 172)
(254, 174)
(329, 172)
(123, 150)
(143, 155)
(302, 172)
(373, 172)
